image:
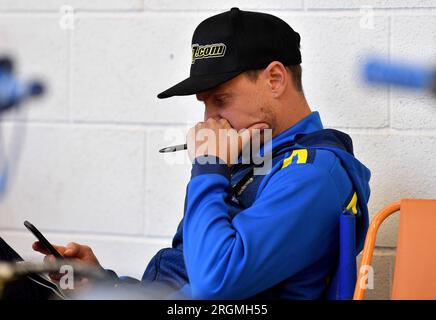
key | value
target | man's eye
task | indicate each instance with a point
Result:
(219, 102)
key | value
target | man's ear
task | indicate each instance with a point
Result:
(277, 78)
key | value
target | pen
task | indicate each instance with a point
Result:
(174, 148)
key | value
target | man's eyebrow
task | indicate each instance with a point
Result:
(222, 94)
(215, 95)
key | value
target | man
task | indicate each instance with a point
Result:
(256, 236)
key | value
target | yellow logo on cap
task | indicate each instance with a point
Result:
(207, 51)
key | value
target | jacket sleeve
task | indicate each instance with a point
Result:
(290, 225)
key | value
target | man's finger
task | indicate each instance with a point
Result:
(224, 122)
(38, 246)
(247, 134)
(55, 276)
(49, 259)
(72, 250)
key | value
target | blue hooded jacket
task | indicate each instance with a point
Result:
(278, 237)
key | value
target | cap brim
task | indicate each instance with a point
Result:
(196, 84)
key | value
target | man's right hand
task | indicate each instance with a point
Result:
(73, 250)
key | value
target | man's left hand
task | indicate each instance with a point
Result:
(216, 137)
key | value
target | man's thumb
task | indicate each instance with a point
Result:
(247, 134)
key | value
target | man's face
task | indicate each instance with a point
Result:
(241, 102)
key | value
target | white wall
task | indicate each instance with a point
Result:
(89, 170)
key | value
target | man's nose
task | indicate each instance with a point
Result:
(211, 112)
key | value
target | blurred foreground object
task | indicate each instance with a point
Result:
(11, 272)
(381, 71)
(103, 285)
(12, 91)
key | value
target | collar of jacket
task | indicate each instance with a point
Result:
(309, 124)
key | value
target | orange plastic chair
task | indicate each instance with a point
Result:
(415, 264)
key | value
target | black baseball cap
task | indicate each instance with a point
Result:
(227, 44)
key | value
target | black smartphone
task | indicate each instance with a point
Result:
(42, 240)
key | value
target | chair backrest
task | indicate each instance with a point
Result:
(415, 265)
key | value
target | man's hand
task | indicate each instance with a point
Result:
(71, 251)
(218, 138)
